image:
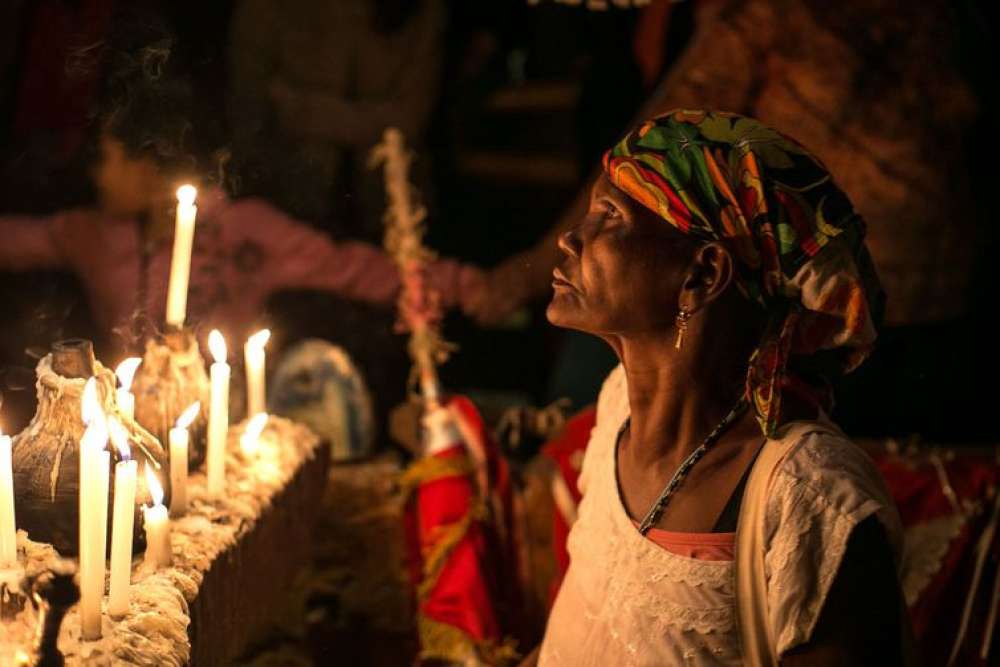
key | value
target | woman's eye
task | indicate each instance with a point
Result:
(612, 212)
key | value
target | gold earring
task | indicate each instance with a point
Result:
(682, 325)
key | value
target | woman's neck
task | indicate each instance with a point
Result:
(676, 397)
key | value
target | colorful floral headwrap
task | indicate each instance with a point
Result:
(797, 241)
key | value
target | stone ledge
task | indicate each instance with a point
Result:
(234, 560)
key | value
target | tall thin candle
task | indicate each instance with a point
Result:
(122, 523)
(95, 462)
(218, 416)
(8, 530)
(254, 360)
(179, 442)
(180, 264)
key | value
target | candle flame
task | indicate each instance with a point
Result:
(90, 403)
(186, 194)
(119, 437)
(126, 371)
(259, 339)
(249, 441)
(155, 488)
(256, 425)
(188, 416)
(95, 437)
(217, 345)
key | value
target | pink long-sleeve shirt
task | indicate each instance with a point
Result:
(244, 251)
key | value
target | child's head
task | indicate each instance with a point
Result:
(144, 149)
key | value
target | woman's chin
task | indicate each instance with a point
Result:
(564, 311)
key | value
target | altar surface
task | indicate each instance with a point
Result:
(235, 557)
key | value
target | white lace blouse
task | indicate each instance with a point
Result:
(628, 601)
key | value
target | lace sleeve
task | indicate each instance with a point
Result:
(824, 488)
(612, 409)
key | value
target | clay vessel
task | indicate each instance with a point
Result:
(46, 457)
(171, 377)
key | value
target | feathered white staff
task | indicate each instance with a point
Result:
(445, 431)
(419, 305)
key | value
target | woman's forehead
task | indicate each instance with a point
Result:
(603, 187)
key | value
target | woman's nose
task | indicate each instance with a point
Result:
(569, 242)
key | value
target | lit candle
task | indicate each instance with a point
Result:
(126, 399)
(180, 264)
(8, 531)
(179, 439)
(218, 416)
(122, 522)
(158, 553)
(95, 462)
(250, 439)
(253, 354)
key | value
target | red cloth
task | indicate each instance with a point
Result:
(920, 497)
(462, 596)
(477, 589)
(566, 451)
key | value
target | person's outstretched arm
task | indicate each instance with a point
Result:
(300, 257)
(28, 243)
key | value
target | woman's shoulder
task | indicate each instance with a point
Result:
(822, 489)
(825, 462)
(825, 478)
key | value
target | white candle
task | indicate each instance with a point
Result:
(8, 530)
(158, 552)
(179, 439)
(218, 416)
(250, 438)
(94, 469)
(122, 522)
(180, 264)
(126, 373)
(253, 355)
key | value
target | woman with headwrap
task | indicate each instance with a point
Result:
(725, 519)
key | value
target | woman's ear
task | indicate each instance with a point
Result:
(710, 274)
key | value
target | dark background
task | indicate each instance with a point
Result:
(502, 166)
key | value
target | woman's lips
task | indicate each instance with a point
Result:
(559, 280)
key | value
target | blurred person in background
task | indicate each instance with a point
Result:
(315, 84)
(245, 250)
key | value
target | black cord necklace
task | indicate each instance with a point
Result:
(656, 511)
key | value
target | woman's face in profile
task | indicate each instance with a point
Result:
(622, 268)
